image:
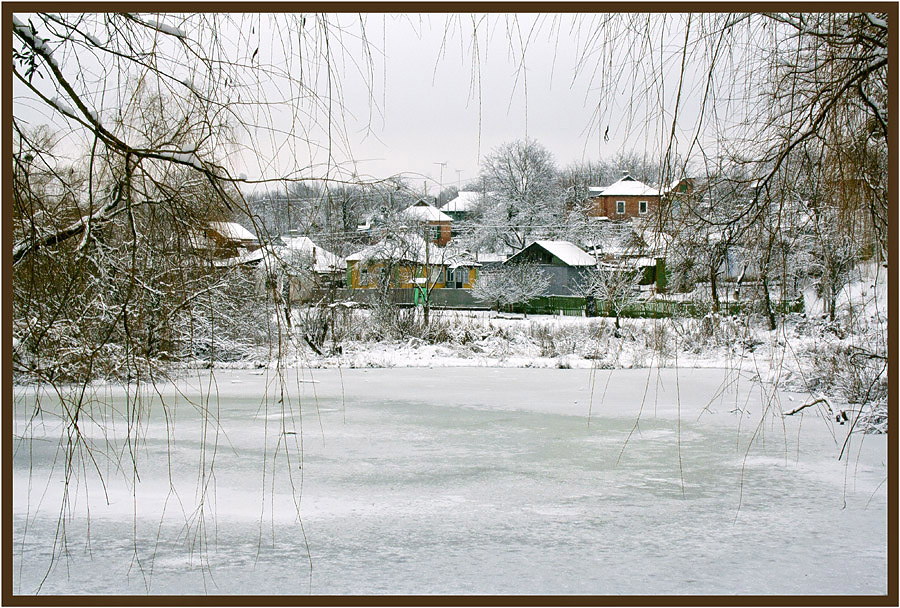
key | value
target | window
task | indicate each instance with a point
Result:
(642, 207)
(363, 276)
(449, 277)
(620, 207)
(434, 233)
(461, 276)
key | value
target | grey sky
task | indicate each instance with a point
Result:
(421, 104)
(430, 99)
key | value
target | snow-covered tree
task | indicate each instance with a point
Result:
(511, 284)
(835, 256)
(525, 200)
(616, 286)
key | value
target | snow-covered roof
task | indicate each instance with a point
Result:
(233, 231)
(464, 201)
(426, 213)
(488, 258)
(408, 247)
(642, 261)
(627, 186)
(568, 252)
(243, 257)
(413, 248)
(628, 263)
(454, 258)
(323, 260)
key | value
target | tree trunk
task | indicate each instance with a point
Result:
(831, 301)
(768, 302)
(715, 291)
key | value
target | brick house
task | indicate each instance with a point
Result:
(625, 199)
(438, 222)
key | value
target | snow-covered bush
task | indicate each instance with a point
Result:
(232, 322)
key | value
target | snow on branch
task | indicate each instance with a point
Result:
(27, 33)
(27, 245)
(40, 47)
(809, 404)
(63, 107)
(160, 26)
(184, 158)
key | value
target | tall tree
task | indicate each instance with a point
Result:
(524, 199)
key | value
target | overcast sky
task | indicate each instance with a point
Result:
(433, 114)
(442, 91)
(430, 110)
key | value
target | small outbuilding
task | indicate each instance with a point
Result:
(563, 261)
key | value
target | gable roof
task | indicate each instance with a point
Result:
(454, 258)
(424, 212)
(233, 231)
(569, 253)
(243, 257)
(464, 201)
(627, 186)
(323, 260)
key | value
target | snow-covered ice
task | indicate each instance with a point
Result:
(462, 481)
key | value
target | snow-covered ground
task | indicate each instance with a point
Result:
(456, 480)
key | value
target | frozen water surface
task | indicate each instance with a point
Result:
(459, 481)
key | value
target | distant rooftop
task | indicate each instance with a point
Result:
(426, 213)
(627, 186)
(233, 231)
(568, 252)
(408, 247)
(323, 260)
(464, 201)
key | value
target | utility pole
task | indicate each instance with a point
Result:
(458, 178)
(441, 180)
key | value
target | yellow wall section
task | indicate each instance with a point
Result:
(406, 272)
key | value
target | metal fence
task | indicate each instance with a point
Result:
(573, 306)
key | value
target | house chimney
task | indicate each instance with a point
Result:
(314, 256)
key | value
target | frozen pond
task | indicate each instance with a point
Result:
(458, 481)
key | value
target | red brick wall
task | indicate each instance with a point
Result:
(606, 206)
(444, 237)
